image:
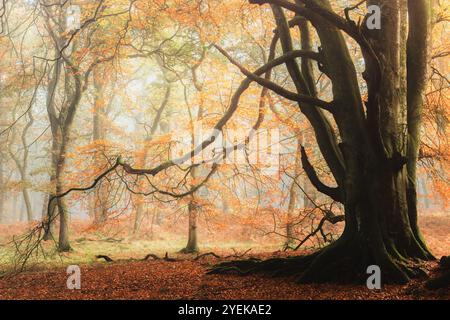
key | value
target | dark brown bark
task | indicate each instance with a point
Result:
(374, 174)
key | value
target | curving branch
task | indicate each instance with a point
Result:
(300, 98)
(333, 193)
(311, 10)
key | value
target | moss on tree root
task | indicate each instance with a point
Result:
(341, 262)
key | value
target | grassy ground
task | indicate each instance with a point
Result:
(86, 249)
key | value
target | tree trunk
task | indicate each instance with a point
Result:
(100, 211)
(192, 245)
(14, 207)
(54, 77)
(44, 205)
(139, 215)
(380, 229)
(417, 60)
(380, 234)
(51, 208)
(50, 213)
(143, 159)
(63, 241)
(22, 164)
(26, 199)
(61, 120)
(293, 194)
(289, 216)
(375, 174)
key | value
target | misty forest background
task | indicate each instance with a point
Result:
(96, 95)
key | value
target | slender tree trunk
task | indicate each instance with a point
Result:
(417, 60)
(15, 207)
(23, 215)
(64, 222)
(140, 206)
(26, 199)
(63, 241)
(50, 213)
(44, 205)
(65, 134)
(140, 213)
(192, 244)
(289, 216)
(52, 208)
(293, 195)
(22, 164)
(100, 211)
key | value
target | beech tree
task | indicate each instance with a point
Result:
(372, 157)
(373, 153)
(368, 134)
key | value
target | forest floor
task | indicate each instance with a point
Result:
(186, 278)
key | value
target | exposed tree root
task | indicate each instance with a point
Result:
(235, 255)
(151, 255)
(106, 258)
(341, 262)
(207, 254)
(445, 262)
(274, 266)
(147, 257)
(443, 280)
(166, 258)
(188, 250)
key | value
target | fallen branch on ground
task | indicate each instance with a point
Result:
(207, 254)
(150, 255)
(235, 255)
(106, 258)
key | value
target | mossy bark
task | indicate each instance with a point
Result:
(374, 166)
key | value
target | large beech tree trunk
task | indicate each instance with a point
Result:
(381, 216)
(374, 165)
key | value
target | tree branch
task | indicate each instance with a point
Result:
(333, 193)
(300, 98)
